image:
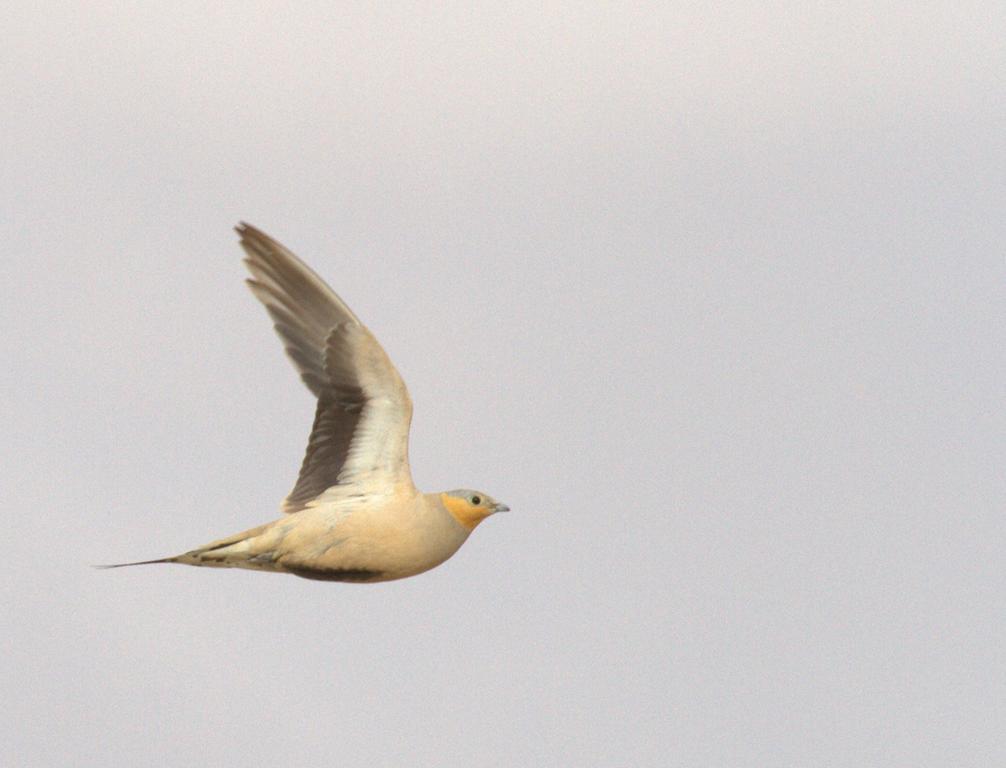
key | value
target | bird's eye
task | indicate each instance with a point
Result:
(476, 500)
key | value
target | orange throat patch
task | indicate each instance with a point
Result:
(464, 512)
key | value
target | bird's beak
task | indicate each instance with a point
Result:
(497, 507)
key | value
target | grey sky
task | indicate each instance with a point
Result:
(711, 297)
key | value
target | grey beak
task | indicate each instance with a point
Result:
(500, 507)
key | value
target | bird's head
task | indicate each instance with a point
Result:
(471, 507)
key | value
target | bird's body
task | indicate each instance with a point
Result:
(358, 539)
(354, 514)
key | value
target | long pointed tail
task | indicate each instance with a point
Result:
(232, 552)
(139, 562)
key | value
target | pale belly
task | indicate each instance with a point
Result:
(361, 545)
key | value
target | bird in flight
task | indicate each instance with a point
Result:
(354, 514)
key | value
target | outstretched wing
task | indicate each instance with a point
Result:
(359, 441)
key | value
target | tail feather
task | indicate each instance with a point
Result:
(138, 562)
(231, 552)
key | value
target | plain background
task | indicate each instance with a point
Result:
(711, 295)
